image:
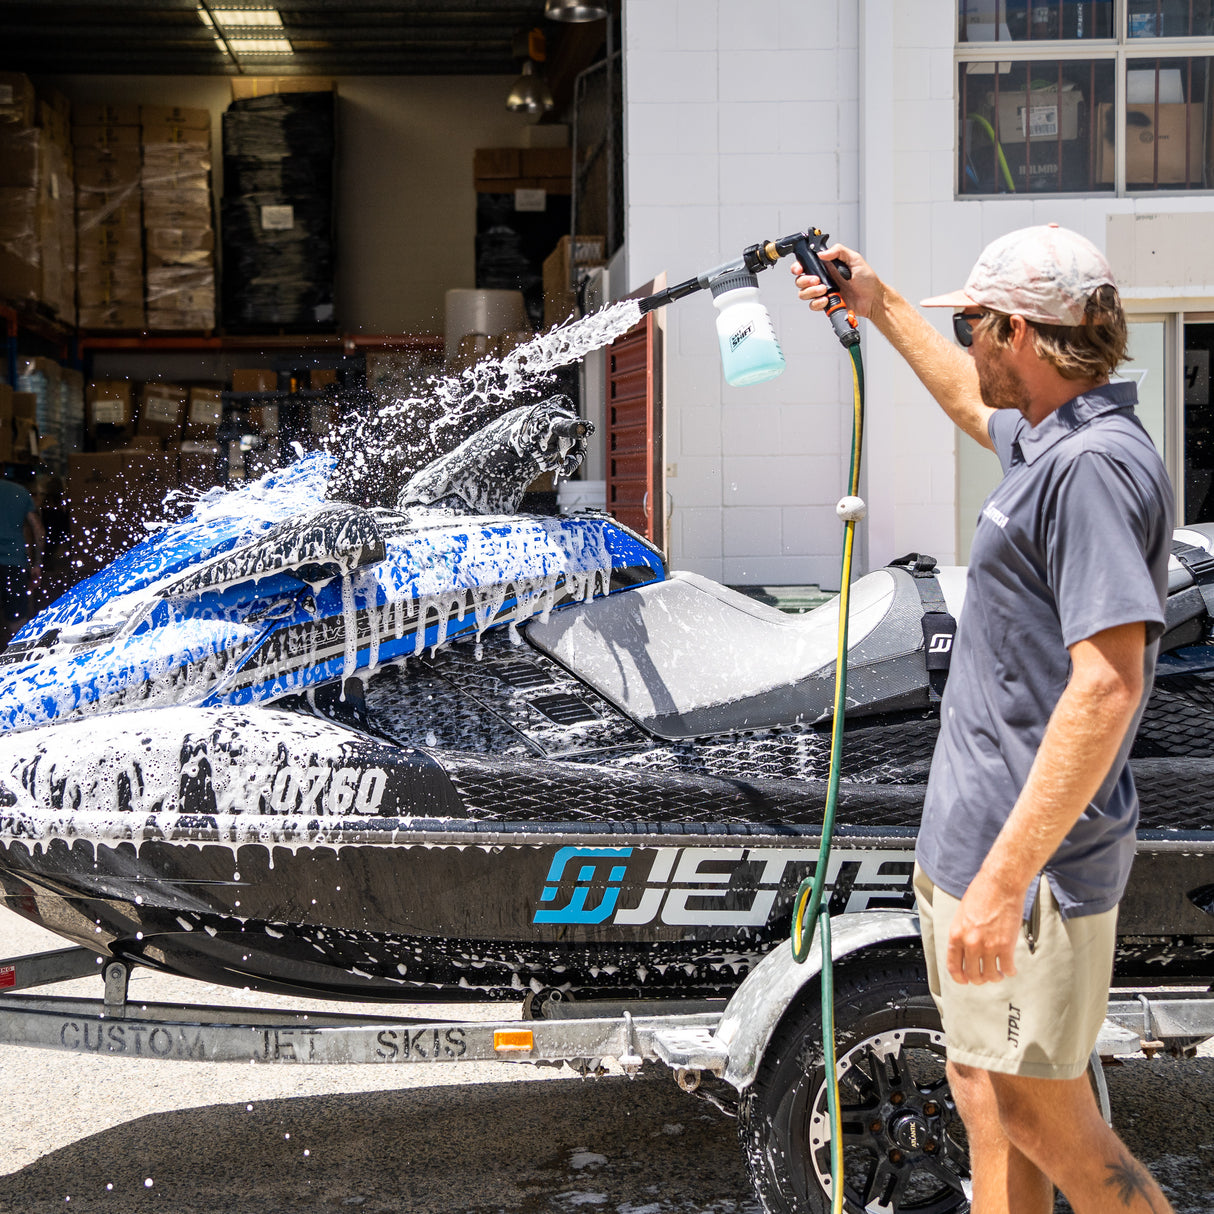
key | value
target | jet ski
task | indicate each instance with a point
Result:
(446, 750)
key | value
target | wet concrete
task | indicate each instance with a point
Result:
(481, 1138)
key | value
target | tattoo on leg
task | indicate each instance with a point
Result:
(1130, 1179)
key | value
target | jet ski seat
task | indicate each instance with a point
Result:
(688, 657)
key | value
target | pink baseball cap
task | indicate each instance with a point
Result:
(1044, 273)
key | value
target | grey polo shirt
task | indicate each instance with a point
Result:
(1075, 539)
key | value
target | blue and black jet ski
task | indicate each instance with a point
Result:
(447, 751)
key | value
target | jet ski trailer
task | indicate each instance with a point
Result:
(446, 752)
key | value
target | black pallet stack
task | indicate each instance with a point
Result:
(278, 238)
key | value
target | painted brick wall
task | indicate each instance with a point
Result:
(731, 139)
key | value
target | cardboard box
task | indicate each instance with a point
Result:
(496, 162)
(116, 317)
(1142, 137)
(191, 213)
(25, 406)
(322, 377)
(144, 442)
(6, 403)
(105, 136)
(17, 100)
(120, 259)
(194, 245)
(118, 212)
(54, 123)
(204, 413)
(179, 320)
(174, 116)
(22, 156)
(169, 158)
(174, 136)
(107, 402)
(105, 113)
(107, 285)
(546, 162)
(161, 410)
(105, 172)
(264, 86)
(176, 177)
(1039, 112)
(255, 379)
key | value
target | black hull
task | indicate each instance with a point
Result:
(461, 914)
(520, 846)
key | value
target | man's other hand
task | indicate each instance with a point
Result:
(982, 939)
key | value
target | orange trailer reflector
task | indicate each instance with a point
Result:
(507, 1040)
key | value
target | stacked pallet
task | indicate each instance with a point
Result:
(109, 232)
(278, 211)
(178, 232)
(37, 231)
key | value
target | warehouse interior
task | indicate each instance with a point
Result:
(225, 225)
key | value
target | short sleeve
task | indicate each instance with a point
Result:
(1098, 551)
(1004, 428)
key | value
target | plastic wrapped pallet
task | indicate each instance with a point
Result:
(177, 218)
(278, 211)
(42, 379)
(109, 217)
(37, 253)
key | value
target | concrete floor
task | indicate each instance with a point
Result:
(125, 1135)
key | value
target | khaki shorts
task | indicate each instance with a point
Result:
(1042, 1021)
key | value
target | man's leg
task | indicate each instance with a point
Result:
(1055, 1123)
(1006, 1181)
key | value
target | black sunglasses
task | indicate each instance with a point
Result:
(963, 329)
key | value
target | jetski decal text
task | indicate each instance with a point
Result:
(711, 886)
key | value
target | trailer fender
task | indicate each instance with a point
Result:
(758, 1005)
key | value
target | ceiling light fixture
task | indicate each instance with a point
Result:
(247, 18)
(253, 47)
(573, 10)
(530, 93)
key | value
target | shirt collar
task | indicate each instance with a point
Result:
(1035, 441)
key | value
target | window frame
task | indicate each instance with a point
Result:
(1121, 49)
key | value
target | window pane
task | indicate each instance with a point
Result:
(1169, 18)
(1031, 126)
(1035, 20)
(1165, 132)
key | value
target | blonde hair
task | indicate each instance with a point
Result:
(1091, 350)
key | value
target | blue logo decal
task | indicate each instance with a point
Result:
(575, 911)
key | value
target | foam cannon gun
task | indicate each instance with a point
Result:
(805, 246)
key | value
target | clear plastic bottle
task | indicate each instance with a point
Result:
(750, 353)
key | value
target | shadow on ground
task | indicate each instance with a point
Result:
(614, 1145)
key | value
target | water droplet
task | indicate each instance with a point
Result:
(147, 1184)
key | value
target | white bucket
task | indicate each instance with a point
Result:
(572, 496)
(487, 312)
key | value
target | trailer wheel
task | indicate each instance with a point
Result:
(904, 1147)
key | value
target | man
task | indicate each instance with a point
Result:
(19, 525)
(1028, 823)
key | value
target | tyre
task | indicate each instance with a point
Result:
(904, 1147)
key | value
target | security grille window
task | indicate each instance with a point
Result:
(1129, 110)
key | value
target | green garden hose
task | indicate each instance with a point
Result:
(808, 912)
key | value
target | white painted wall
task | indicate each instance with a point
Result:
(730, 137)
